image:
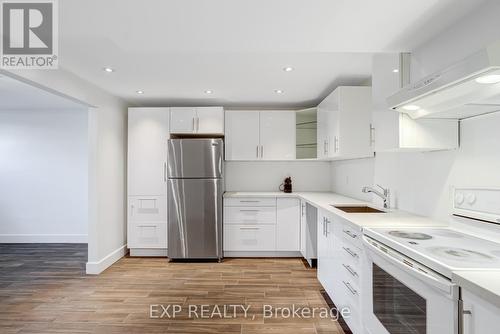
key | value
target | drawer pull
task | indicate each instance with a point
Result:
(350, 288)
(249, 210)
(249, 228)
(248, 201)
(350, 252)
(350, 270)
(351, 234)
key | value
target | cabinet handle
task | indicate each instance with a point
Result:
(349, 233)
(461, 315)
(350, 270)
(249, 210)
(249, 228)
(164, 172)
(350, 288)
(248, 201)
(197, 124)
(336, 144)
(350, 252)
(257, 152)
(262, 151)
(194, 124)
(326, 226)
(372, 135)
(325, 150)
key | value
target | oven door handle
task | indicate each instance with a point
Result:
(441, 284)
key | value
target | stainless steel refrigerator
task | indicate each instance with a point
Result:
(195, 188)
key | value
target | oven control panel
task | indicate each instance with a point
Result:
(477, 203)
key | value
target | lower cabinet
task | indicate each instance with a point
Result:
(261, 226)
(308, 231)
(147, 226)
(479, 316)
(340, 257)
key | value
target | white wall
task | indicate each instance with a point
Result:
(43, 176)
(420, 182)
(268, 175)
(107, 162)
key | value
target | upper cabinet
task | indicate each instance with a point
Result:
(199, 120)
(344, 124)
(395, 131)
(260, 135)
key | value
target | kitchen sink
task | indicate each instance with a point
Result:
(358, 209)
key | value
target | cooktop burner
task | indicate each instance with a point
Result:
(461, 254)
(410, 235)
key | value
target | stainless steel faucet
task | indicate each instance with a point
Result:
(385, 194)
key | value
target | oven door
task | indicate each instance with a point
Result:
(403, 296)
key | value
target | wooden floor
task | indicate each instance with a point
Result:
(43, 289)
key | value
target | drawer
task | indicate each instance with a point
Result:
(353, 319)
(147, 208)
(146, 234)
(249, 238)
(351, 292)
(250, 201)
(351, 254)
(249, 215)
(352, 234)
(350, 271)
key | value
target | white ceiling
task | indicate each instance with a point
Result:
(174, 50)
(17, 95)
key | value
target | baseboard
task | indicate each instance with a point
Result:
(148, 252)
(43, 238)
(262, 254)
(95, 268)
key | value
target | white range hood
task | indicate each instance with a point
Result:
(466, 89)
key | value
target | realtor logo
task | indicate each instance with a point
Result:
(29, 34)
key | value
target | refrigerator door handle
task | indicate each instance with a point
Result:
(165, 171)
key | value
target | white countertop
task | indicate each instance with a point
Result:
(327, 201)
(483, 283)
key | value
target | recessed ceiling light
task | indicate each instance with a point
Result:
(288, 69)
(278, 91)
(209, 91)
(411, 107)
(489, 79)
(395, 70)
(139, 91)
(108, 70)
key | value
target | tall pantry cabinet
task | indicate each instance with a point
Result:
(148, 132)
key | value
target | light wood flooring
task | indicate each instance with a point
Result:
(43, 289)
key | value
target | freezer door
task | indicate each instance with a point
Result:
(195, 218)
(195, 158)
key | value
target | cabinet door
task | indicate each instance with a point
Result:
(287, 224)
(210, 120)
(277, 135)
(480, 317)
(303, 229)
(322, 262)
(147, 151)
(322, 130)
(242, 135)
(182, 120)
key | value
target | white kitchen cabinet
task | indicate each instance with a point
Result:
(344, 124)
(479, 316)
(242, 135)
(147, 151)
(288, 224)
(308, 231)
(182, 120)
(326, 262)
(197, 120)
(148, 132)
(210, 120)
(277, 135)
(394, 131)
(266, 226)
(260, 135)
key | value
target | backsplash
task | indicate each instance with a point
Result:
(268, 175)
